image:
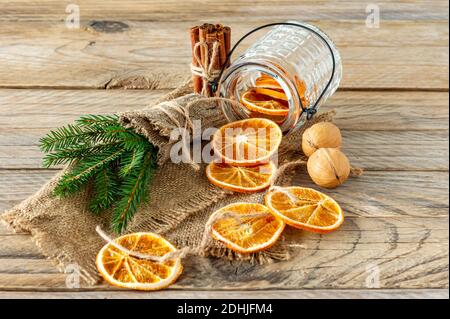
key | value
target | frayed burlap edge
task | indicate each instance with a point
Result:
(60, 260)
(15, 221)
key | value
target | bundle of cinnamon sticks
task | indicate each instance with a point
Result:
(210, 46)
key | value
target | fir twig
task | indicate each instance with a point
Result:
(119, 163)
(63, 137)
(134, 191)
(131, 160)
(81, 134)
(106, 190)
(101, 120)
(84, 169)
(69, 155)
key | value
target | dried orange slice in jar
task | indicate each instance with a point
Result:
(246, 228)
(248, 142)
(305, 208)
(120, 269)
(261, 103)
(241, 179)
(272, 94)
(267, 85)
(265, 81)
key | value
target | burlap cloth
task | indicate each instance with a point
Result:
(180, 202)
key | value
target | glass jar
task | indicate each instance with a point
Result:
(297, 56)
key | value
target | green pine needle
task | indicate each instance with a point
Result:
(117, 162)
(63, 137)
(82, 172)
(70, 155)
(130, 161)
(106, 189)
(134, 191)
(97, 120)
(81, 134)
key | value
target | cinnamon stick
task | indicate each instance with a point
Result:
(197, 80)
(203, 34)
(211, 39)
(227, 36)
(222, 49)
(208, 35)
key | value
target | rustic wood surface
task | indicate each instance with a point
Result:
(392, 108)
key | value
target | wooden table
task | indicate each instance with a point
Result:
(392, 107)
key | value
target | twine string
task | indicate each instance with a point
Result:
(205, 68)
(302, 162)
(182, 252)
(282, 169)
(188, 125)
(283, 190)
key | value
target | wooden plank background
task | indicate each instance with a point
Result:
(392, 107)
(409, 51)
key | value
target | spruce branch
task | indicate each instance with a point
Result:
(134, 191)
(84, 169)
(97, 120)
(81, 134)
(130, 161)
(116, 161)
(63, 137)
(106, 190)
(72, 154)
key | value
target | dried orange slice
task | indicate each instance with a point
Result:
(122, 270)
(258, 102)
(248, 142)
(246, 228)
(301, 89)
(241, 179)
(265, 81)
(305, 208)
(270, 93)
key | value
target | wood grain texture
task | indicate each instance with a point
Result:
(400, 54)
(234, 10)
(412, 260)
(371, 150)
(272, 294)
(410, 252)
(41, 110)
(375, 194)
(374, 138)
